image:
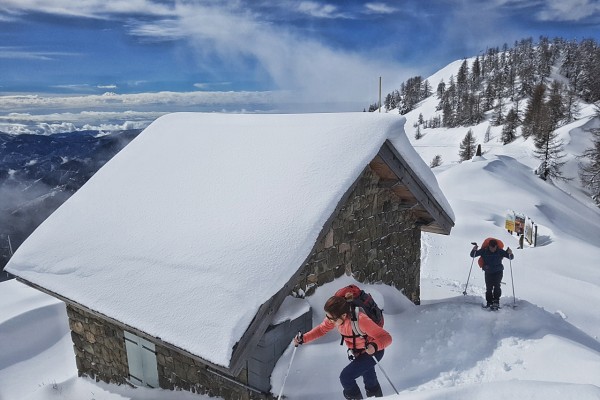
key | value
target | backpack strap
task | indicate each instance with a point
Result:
(354, 322)
(356, 331)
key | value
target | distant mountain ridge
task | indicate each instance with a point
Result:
(39, 172)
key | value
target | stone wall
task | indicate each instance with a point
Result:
(99, 347)
(100, 353)
(372, 238)
(178, 372)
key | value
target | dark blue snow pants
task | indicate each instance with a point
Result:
(492, 286)
(363, 365)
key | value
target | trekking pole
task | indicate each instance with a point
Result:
(386, 375)
(469, 277)
(289, 368)
(513, 283)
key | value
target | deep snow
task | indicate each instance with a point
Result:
(447, 348)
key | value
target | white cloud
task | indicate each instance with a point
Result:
(228, 30)
(570, 10)
(318, 10)
(58, 122)
(90, 8)
(473, 26)
(137, 83)
(553, 10)
(307, 67)
(75, 87)
(138, 100)
(211, 85)
(16, 53)
(379, 8)
(7, 18)
(111, 111)
(164, 30)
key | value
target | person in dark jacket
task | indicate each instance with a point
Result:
(494, 270)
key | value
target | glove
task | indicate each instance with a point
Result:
(299, 339)
(372, 349)
(509, 251)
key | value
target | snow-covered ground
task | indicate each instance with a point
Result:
(547, 347)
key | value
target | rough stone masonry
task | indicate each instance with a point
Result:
(372, 238)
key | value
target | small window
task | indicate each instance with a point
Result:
(141, 359)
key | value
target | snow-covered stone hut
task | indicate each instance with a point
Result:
(175, 258)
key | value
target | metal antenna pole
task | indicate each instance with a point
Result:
(379, 94)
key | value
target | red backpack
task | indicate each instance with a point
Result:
(485, 245)
(363, 300)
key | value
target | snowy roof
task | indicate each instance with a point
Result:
(203, 217)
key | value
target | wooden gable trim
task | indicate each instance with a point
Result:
(438, 221)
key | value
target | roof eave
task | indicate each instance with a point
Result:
(136, 331)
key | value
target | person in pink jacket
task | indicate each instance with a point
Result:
(361, 349)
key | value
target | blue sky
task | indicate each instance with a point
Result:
(326, 55)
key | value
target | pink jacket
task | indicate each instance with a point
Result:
(375, 334)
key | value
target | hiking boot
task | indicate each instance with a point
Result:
(352, 394)
(374, 392)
